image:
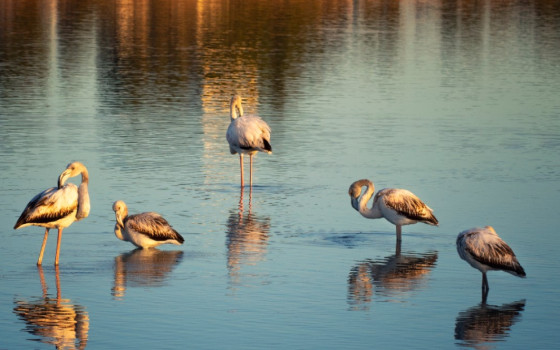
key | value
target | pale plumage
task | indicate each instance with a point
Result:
(484, 250)
(398, 206)
(144, 230)
(58, 207)
(246, 134)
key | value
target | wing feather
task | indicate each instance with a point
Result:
(153, 225)
(407, 204)
(50, 205)
(249, 133)
(489, 249)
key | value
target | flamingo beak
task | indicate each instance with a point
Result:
(63, 177)
(119, 220)
(354, 203)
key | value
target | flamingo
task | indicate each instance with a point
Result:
(484, 250)
(246, 134)
(58, 207)
(400, 207)
(144, 230)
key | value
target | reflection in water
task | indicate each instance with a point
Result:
(485, 323)
(55, 321)
(392, 276)
(246, 239)
(143, 268)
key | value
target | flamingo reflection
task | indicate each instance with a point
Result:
(143, 267)
(246, 239)
(55, 321)
(483, 324)
(392, 276)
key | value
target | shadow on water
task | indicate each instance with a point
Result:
(246, 239)
(390, 277)
(480, 325)
(55, 321)
(143, 268)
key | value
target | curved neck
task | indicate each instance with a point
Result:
(118, 232)
(85, 177)
(83, 201)
(373, 212)
(83, 196)
(235, 109)
(119, 226)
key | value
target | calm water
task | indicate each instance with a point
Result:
(457, 101)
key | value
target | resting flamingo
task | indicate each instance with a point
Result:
(58, 207)
(246, 134)
(144, 230)
(484, 250)
(400, 207)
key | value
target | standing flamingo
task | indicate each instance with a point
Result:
(484, 250)
(246, 134)
(398, 206)
(58, 207)
(144, 230)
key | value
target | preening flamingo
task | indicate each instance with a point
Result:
(144, 230)
(484, 250)
(246, 134)
(58, 207)
(400, 207)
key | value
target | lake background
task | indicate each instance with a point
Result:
(457, 101)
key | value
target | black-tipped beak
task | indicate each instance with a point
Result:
(62, 178)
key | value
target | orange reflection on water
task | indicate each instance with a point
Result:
(484, 324)
(393, 276)
(143, 267)
(246, 239)
(55, 321)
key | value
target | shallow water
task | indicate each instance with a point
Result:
(457, 102)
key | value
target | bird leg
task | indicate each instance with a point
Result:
(485, 288)
(241, 167)
(398, 248)
(399, 230)
(251, 169)
(40, 260)
(58, 246)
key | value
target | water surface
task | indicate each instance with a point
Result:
(455, 101)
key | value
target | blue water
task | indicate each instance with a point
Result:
(456, 102)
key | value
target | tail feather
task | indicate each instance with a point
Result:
(267, 146)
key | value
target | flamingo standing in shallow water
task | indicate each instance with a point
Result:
(144, 230)
(484, 250)
(246, 134)
(398, 206)
(58, 207)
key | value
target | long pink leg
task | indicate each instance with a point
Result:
(241, 167)
(58, 246)
(40, 260)
(399, 230)
(251, 169)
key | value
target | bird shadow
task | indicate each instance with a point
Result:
(391, 278)
(54, 320)
(483, 323)
(143, 268)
